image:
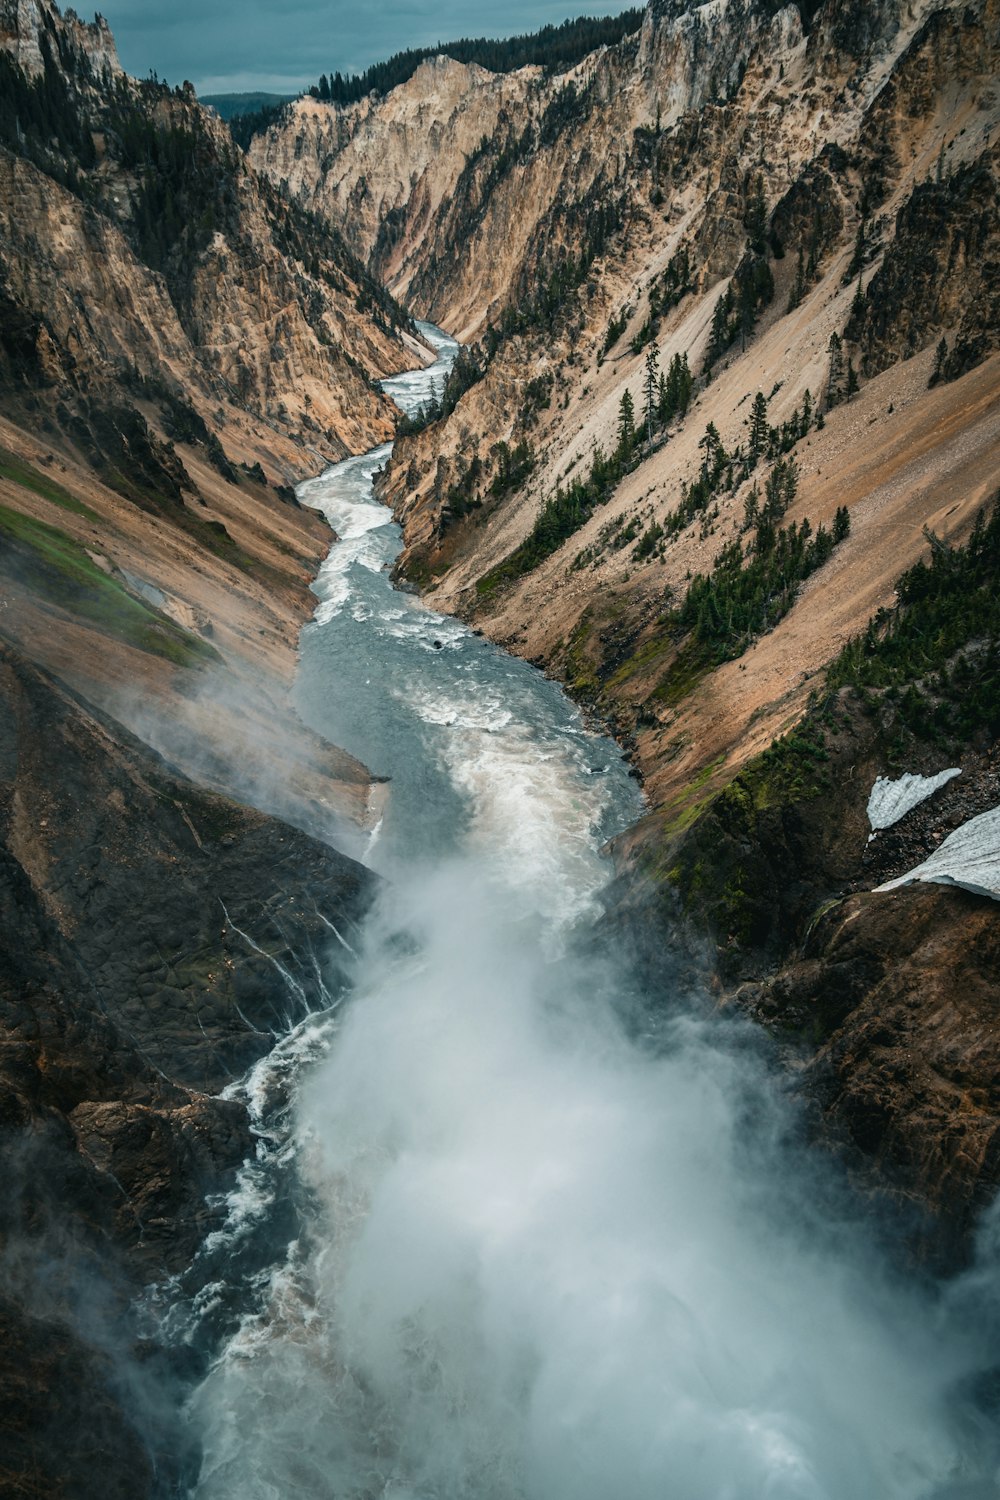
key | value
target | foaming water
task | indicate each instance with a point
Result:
(526, 1256)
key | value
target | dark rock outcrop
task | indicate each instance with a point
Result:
(897, 993)
(124, 994)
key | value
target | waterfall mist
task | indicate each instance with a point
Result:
(547, 1262)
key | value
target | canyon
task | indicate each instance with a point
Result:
(568, 226)
(723, 288)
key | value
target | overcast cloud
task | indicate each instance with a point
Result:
(228, 46)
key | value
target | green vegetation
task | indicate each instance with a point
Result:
(228, 106)
(934, 660)
(184, 192)
(665, 292)
(568, 509)
(938, 260)
(513, 466)
(461, 497)
(40, 119)
(927, 669)
(29, 478)
(554, 48)
(748, 590)
(587, 226)
(559, 517)
(244, 127)
(616, 327)
(745, 596)
(682, 808)
(59, 569)
(737, 310)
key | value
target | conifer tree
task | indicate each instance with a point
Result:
(626, 426)
(835, 349)
(807, 411)
(758, 426)
(939, 360)
(718, 338)
(755, 218)
(650, 387)
(799, 285)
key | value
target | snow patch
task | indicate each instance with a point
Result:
(892, 800)
(969, 858)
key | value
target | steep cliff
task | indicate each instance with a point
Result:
(144, 921)
(176, 345)
(138, 245)
(746, 225)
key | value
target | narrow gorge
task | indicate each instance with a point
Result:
(498, 780)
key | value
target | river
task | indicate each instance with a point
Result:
(497, 1243)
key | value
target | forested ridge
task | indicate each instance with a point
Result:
(553, 48)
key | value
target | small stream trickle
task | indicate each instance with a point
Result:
(492, 1247)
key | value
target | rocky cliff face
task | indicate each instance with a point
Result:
(144, 922)
(176, 344)
(384, 171)
(23, 23)
(137, 245)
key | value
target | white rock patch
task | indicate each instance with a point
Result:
(969, 857)
(892, 800)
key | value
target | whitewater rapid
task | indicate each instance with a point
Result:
(509, 1243)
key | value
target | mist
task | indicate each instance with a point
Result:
(236, 733)
(549, 1262)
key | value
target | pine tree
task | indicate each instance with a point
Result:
(715, 455)
(798, 288)
(858, 305)
(939, 362)
(718, 338)
(835, 350)
(807, 411)
(650, 386)
(755, 217)
(626, 427)
(758, 426)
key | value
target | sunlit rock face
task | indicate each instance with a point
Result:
(23, 23)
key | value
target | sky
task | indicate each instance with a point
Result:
(230, 46)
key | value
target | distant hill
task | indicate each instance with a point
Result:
(554, 48)
(228, 105)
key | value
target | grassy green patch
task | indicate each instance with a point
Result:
(792, 769)
(59, 569)
(681, 810)
(21, 473)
